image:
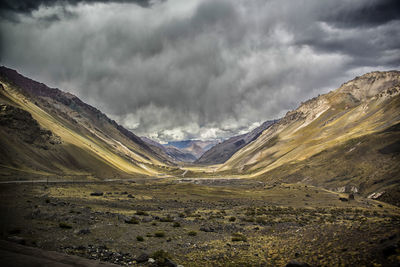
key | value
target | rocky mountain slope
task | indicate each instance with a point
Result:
(194, 147)
(171, 152)
(347, 139)
(45, 131)
(223, 151)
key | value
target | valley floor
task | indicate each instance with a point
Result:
(201, 223)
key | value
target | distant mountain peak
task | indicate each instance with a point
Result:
(222, 151)
(185, 150)
(370, 84)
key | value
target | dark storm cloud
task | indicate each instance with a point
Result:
(27, 6)
(366, 46)
(365, 14)
(10, 9)
(201, 68)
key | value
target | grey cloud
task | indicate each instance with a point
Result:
(199, 69)
(364, 13)
(366, 46)
(11, 9)
(27, 6)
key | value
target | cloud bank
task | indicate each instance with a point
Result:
(204, 69)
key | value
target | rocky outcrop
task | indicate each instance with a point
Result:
(24, 126)
(347, 189)
(371, 85)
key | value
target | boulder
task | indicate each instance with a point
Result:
(144, 257)
(84, 232)
(170, 263)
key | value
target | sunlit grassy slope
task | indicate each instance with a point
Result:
(91, 144)
(334, 123)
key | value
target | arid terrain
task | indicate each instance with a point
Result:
(201, 133)
(318, 187)
(201, 222)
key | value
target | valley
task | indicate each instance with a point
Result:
(318, 187)
(244, 222)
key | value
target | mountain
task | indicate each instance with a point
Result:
(47, 132)
(223, 151)
(345, 140)
(171, 152)
(195, 147)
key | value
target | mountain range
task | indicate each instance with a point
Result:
(181, 151)
(347, 140)
(174, 153)
(223, 151)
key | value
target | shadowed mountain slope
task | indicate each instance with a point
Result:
(45, 131)
(223, 151)
(173, 153)
(194, 147)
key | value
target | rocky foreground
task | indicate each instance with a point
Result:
(221, 223)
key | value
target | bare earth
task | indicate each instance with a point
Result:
(194, 222)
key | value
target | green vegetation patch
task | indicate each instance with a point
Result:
(159, 234)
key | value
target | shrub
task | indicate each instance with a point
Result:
(139, 238)
(159, 234)
(232, 219)
(141, 213)
(166, 219)
(133, 220)
(176, 224)
(65, 225)
(261, 211)
(214, 216)
(192, 233)
(248, 219)
(250, 212)
(188, 211)
(238, 237)
(260, 220)
(160, 256)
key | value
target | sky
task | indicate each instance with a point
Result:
(199, 69)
